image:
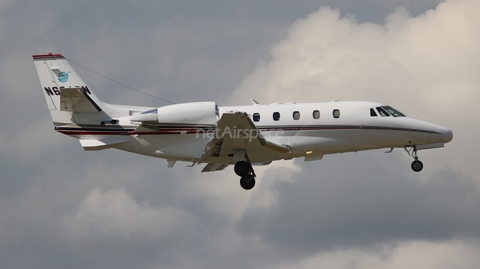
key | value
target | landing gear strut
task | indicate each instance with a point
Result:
(247, 175)
(417, 165)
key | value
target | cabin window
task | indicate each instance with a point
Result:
(276, 116)
(296, 115)
(373, 113)
(256, 117)
(383, 112)
(336, 113)
(316, 114)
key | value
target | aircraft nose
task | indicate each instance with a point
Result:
(435, 133)
(447, 135)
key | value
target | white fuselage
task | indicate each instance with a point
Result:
(310, 130)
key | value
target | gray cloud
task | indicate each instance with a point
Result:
(62, 207)
(332, 207)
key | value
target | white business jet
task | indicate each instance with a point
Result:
(204, 133)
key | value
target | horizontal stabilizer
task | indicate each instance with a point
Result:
(76, 100)
(91, 145)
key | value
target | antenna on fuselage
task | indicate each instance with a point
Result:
(254, 102)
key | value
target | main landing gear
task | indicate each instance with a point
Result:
(247, 176)
(417, 165)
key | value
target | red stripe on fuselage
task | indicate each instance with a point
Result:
(170, 131)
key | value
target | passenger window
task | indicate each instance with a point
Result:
(336, 113)
(256, 117)
(296, 115)
(383, 112)
(316, 114)
(276, 116)
(373, 113)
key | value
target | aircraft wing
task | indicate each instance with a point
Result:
(236, 137)
(215, 167)
(77, 100)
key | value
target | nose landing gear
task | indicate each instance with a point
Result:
(247, 175)
(417, 165)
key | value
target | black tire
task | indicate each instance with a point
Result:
(242, 168)
(417, 166)
(247, 182)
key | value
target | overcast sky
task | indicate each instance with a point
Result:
(62, 207)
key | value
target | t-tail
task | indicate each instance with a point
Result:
(69, 99)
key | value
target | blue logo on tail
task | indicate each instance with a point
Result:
(63, 77)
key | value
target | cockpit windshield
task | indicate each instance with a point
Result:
(393, 111)
(383, 112)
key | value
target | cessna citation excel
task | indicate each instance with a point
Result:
(205, 133)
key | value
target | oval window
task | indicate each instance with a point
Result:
(336, 113)
(256, 117)
(296, 115)
(276, 116)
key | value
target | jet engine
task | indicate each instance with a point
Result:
(192, 114)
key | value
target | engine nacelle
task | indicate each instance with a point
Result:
(193, 114)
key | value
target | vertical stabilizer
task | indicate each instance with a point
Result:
(68, 97)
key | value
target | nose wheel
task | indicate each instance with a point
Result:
(247, 176)
(417, 165)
